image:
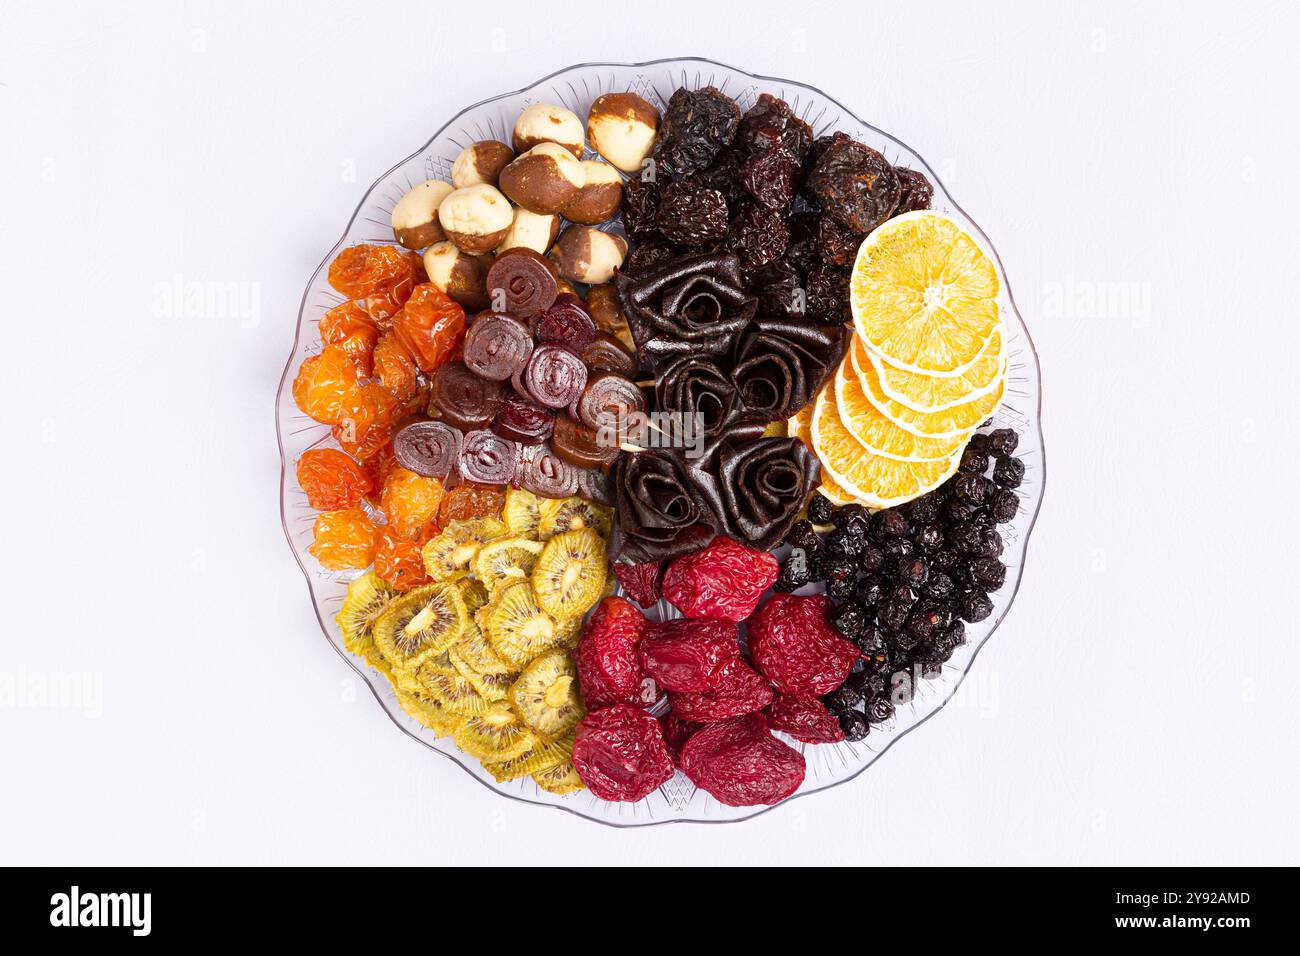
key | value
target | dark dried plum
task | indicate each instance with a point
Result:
(915, 191)
(771, 122)
(692, 214)
(758, 235)
(834, 243)
(779, 289)
(640, 206)
(724, 176)
(696, 126)
(827, 294)
(647, 255)
(854, 184)
(771, 177)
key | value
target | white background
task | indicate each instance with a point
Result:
(1136, 165)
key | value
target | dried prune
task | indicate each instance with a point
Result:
(827, 294)
(684, 655)
(804, 718)
(648, 255)
(740, 690)
(771, 122)
(724, 176)
(779, 289)
(620, 754)
(691, 214)
(834, 243)
(643, 582)
(609, 670)
(771, 177)
(696, 126)
(641, 206)
(854, 184)
(915, 191)
(331, 479)
(758, 235)
(741, 764)
(724, 580)
(795, 647)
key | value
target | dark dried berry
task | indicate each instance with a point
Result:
(834, 243)
(971, 488)
(850, 620)
(759, 236)
(975, 607)
(838, 585)
(973, 460)
(913, 571)
(956, 511)
(889, 523)
(871, 559)
(1003, 442)
(640, 206)
(965, 537)
(989, 573)
(871, 641)
(957, 633)
(892, 615)
(854, 725)
(854, 184)
(771, 122)
(879, 709)
(843, 699)
(851, 514)
(929, 539)
(647, 255)
(964, 575)
(771, 177)
(691, 214)
(802, 250)
(945, 560)
(940, 587)
(915, 190)
(1004, 506)
(869, 590)
(724, 176)
(820, 510)
(979, 441)
(845, 543)
(899, 548)
(1009, 472)
(794, 572)
(779, 289)
(903, 595)
(990, 543)
(923, 510)
(696, 126)
(920, 626)
(803, 535)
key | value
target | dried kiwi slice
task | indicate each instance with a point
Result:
(474, 649)
(496, 734)
(430, 713)
(456, 694)
(367, 598)
(546, 695)
(561, 779)
(570, 575)
(415, 680)
(506, 560)
(544, 756)
(569, 514)
(454, 549)
(520, 512)
(420, 624)
(517, 628)
(473, 593)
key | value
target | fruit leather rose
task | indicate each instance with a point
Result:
(757, 486)
(780, 365)
(694, 304)
(696, 386)
(661, 512)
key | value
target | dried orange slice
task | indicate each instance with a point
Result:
(924, 295)
(878, 434)
(948, 423)
(873, 480)
(933, 393)
(799, 426)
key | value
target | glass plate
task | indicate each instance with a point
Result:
(575, 88)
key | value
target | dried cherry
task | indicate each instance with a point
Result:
(642, 582)
(724, 580)
(795, 647)
(741, 764)
(331, 479)
(609, 670)
(740, 690)
(805, 719)
(686, 656)
(620, 754)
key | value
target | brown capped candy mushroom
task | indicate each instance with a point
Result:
(622, 128)
(481, 162)
(530, 231)
(584, 254)
(543, 179)
(476, 218)
(459, 274)
(607, 312)
(415, 217)
(548, 123)
(600, 196)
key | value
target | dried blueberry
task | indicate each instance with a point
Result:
(913, 571)
(939, 587)
(879, 709)
(1004, 506)
(890, 523)
(854, 725)
(871, 559)
(871, 641)
(1009, 472)
(929, 539)
(893, 615)
(850, 620)
(803, 535)
(869, 590)
(1003, 441)
(989, 573)
(975, 607)
(820, 510)
(974, 461)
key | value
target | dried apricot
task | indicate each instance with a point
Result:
(349, 326)
(410, 502)
(326, 384)
(398, 561)
(331, 479)
(343, 539)
(365, 270)
(394, 367)
(377, 467)
(470, 499)
(431, 325)
(383, 305)
(366, 421)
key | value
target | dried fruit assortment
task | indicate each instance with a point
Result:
(816, 494)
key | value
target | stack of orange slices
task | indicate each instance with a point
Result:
(925, 367)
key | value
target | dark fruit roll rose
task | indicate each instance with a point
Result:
(661, 513)
(757, 486)
(694, 304)
(780, 365)
(697, 386)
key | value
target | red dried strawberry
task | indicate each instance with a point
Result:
(620, 754)
(609, 670)
(676, 732)
(724, 580)
(685, 655)
(741, 764)
(805, 719)
(741, 690)
(795, 647)
(641, 582)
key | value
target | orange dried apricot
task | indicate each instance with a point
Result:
(343, 539)
(394, 367)
(410, 502)
(377, 467)
(364, 425)
(349, 327)
(331, 479)
(326, 385)
(365, 270)
(399, 561)
(471, 500)
(431, 325)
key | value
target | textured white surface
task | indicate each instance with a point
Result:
(1133, 164)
